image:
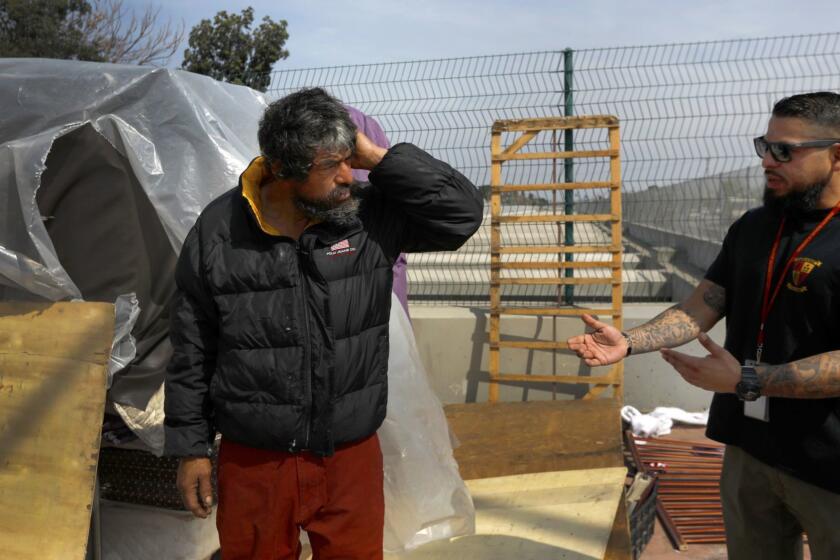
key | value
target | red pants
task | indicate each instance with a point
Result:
(266, 497)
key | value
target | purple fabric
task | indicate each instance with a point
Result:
(372, 130)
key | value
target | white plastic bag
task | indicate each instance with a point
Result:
(425, 498)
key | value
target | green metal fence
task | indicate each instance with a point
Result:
(688, 113)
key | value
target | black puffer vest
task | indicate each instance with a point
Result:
(283, 344)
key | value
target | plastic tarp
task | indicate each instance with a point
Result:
(103, 170)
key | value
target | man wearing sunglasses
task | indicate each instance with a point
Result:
(777, 378)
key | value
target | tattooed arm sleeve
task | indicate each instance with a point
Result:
(682, 322)
(816, 377)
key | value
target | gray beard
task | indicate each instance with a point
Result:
(328, 209)
(796, 203)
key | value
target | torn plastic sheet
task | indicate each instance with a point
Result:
(184, 137)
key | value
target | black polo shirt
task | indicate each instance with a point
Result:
(803, 435)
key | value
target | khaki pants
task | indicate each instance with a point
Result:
(765, 511)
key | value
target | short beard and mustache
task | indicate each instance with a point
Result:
(795, 203)
(330, 208)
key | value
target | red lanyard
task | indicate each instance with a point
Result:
(768, 300)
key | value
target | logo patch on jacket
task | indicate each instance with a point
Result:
(341, 248)
(801, 269)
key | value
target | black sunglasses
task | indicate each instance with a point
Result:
(782, 151)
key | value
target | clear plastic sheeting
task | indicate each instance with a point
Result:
(187, 138)
(425, 498)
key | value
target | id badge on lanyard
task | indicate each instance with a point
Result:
(760, 407)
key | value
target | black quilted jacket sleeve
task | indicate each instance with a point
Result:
(193, 332)
(434, 206)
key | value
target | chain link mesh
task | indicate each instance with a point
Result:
(688, 114)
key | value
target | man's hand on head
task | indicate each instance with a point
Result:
(367, 155)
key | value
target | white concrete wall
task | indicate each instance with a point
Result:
(453, 346)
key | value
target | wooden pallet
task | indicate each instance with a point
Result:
(564, 267)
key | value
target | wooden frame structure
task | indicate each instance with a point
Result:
(528, 129)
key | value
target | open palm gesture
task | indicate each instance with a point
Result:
(602, 346)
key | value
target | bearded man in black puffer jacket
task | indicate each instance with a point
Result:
(280, 329)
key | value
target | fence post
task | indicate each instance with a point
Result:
(569, 164)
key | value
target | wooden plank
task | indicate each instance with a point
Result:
(52, 395)
(528, 156)
(555, 123)
(555, 186)
(535, 378)
(525, 437)
(495, 244)
(520, 142)
(504, 265)
(615, 229)
(554, 281)
(532, 344)
(551, 249)
(555, 311)
(559, 218)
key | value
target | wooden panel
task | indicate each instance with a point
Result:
(52, 398)
(559, 273)
(505, 438)
(537, 517)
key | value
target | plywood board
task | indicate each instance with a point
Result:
(52, 395)
(541, 516)
(505, 438)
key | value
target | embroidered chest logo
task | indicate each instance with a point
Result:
(341, 248)
(801, 269)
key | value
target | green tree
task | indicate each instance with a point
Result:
(46, 28)
(98, 30)
(226, 49)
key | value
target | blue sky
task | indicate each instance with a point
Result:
(342, 32)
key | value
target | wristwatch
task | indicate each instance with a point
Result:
(749, 388)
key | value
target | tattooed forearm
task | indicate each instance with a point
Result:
(672, 327)
(715, 298)
(816, 377)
